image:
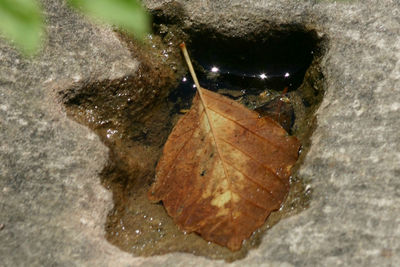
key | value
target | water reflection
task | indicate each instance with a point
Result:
(263, 76)
(214, 69)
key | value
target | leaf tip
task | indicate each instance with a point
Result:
(235, 243)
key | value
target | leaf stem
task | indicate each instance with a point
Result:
(189, 63)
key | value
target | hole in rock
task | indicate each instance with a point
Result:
(134, 115)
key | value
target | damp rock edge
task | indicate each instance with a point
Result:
(49, 164)
(52, 205)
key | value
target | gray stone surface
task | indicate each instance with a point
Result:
(52, 204)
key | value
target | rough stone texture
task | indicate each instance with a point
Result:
(52, 204)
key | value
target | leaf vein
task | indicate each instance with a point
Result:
(237, 123)
(216, 225)
(249, 200)
(255, 160)
(179, 152)
(201, 91)
(254, 181)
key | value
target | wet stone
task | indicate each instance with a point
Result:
(135, 115)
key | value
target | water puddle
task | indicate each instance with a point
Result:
(134, 115)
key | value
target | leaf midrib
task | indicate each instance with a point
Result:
(203, 102)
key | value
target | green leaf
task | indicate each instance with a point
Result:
(22, 23)
(127, 14)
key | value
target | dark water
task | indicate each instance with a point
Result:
(254, 65)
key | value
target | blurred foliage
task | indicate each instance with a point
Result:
(21, 21)
(127, 14)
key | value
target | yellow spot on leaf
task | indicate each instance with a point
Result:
(220, 200)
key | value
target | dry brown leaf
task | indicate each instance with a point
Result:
(223, 170)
